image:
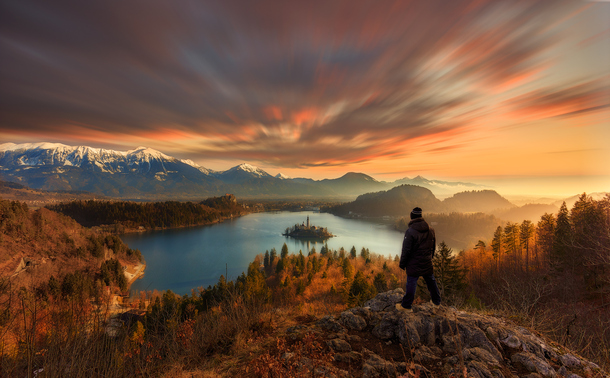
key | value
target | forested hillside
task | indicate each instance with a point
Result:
(53, 242)
(54, 275)
(125, 215)
(394, 202)
(477, 201)
(555, 271)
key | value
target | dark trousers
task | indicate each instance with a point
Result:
(435, 294)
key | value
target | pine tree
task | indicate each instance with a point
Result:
(266, 260)
(511, 239)
(545, 231)
(352, 252)
(496, 246)
(451, 277)
(562, 239)
(526, 231)
(348, 270)
(284, 252)
(360, 290)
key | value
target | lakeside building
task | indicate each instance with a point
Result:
(306, 230)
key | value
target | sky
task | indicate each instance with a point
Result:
(514, 94)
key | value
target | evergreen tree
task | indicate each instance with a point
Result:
(360, 290)
(526, 230)
(266, 260)
(380, 282)
(545, 232)
(496, 246)
(511, 239)
(280, 266)
(348, 270)
(451, 277)
(284, 252)
(365, 254)
(562, 239)
(352, 252)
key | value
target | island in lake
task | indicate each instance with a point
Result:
(307, 231)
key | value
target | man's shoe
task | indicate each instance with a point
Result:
(400, 308)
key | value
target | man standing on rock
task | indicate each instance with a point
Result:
(418, 249)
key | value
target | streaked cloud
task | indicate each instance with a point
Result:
(293, 84)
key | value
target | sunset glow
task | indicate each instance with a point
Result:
(512, 94)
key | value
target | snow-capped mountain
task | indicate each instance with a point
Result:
(197, 166)
(242, 173)
(142, 171)
(141, 160)
(148, 173)
(282, 176)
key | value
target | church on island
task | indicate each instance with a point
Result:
(307, 231)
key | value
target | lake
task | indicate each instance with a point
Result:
(186, 258)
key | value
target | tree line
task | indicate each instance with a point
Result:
(150, 215)
(555, 272)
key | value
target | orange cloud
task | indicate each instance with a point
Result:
(305, 116)
(273, 113)
(546, 104)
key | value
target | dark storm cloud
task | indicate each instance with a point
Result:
(270, 80)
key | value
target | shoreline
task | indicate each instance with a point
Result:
(141, 230)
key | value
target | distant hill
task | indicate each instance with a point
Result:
(438, 187)
(35, 198)
(477, 201)
(570, 201)
(398, 201)
(531, 212)
(353, 184)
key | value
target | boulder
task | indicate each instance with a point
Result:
(352, 321)
(385, 301)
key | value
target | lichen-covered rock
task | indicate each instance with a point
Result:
(352, 321)
(483, 355)
(330, 324)
(425, 354)
(478, 369)
(385, 301)
(350, 358)
(533, 364)
(511, 341)
(339, 345)
(569, 361)
(387, 328)
(375, 366)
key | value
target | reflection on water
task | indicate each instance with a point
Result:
(183, 259)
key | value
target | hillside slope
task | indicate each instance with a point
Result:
(398, 201)
(53, 244)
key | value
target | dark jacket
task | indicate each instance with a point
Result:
(418, 248)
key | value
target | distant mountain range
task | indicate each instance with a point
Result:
(149, 174)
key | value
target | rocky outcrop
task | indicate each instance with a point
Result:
(377, 340)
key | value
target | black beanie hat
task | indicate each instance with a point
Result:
(416, 213)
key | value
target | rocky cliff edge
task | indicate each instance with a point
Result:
(377, 340)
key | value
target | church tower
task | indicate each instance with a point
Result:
(308, 221)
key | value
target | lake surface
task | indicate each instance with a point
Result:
(187, 258)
